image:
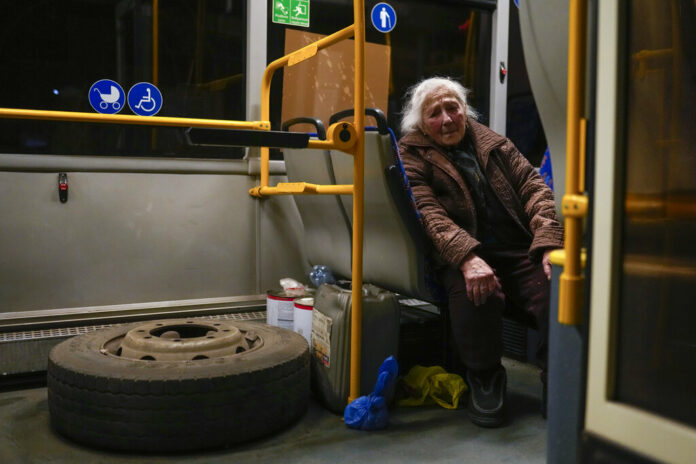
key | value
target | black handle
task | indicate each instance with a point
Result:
(376, 113)
(321, 132)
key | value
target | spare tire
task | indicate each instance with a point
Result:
(177, 385)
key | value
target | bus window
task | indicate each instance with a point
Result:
(52, 52)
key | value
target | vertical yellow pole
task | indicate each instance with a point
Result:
(571, 285)
(265, 116)
(358, 198)
(155, 59)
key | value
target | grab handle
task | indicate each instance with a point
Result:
(316, 122)
(382, 126)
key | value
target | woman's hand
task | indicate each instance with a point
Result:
(546, 262)
(480, 279)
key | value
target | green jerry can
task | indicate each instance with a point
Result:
(331, 341)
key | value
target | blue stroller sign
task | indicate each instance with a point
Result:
(106, 96)
(144, 99)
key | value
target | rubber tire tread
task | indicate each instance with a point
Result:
(119, 404)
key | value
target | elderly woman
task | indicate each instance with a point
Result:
(492, 222)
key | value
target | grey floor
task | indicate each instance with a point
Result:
(414, 435)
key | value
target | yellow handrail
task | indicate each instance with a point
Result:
(574, 203)
(358, 198)
(301, 188)
(339, 136)
(76, 116)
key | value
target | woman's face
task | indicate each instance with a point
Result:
(444, 118)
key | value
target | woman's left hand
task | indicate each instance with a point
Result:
(546, 262)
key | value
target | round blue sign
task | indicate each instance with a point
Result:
(383, 17)
(144, 99)
(106, 96)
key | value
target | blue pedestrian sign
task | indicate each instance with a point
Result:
(144, 99)
(106, 97)
(383, 17)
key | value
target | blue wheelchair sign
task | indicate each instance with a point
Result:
(383, 17)
(144, 99)
(106, 97)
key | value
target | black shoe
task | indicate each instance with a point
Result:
(487, 396)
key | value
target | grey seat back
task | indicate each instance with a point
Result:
(391, 258)
(327, 231)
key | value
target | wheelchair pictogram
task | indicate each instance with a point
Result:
(106, 96)
(147, 101)
(144, 99)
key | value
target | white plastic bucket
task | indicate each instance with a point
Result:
(302, 323)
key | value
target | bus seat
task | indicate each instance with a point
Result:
(394, 244)
(327, 230)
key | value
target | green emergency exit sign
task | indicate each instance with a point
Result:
(292, 12)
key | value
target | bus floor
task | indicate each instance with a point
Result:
(425, 434)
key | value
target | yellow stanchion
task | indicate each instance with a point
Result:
(574, 203)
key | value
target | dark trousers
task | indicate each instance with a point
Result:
(477, 330)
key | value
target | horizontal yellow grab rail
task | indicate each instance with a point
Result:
(301, 188)
(75, 116)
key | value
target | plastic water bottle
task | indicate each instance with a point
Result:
(321, 274)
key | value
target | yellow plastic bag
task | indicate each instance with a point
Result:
(428, 385)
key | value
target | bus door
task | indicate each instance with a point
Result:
(641, 401)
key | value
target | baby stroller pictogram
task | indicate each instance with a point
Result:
(110, 98)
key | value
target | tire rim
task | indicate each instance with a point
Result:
(182, 340)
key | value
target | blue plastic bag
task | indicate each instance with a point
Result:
(370, 412)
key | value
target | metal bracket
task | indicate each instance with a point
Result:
(574, 205)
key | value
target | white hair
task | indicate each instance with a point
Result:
(412, 118)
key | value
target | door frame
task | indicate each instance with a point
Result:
(633, 428)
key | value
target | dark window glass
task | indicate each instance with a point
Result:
(656, 353)
(437, 38)
(53, 51)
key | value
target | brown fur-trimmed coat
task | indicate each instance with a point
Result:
(446, 204)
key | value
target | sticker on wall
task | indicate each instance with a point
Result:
(106, 96)
(383, 17)
(291, 12)
(144, 99)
